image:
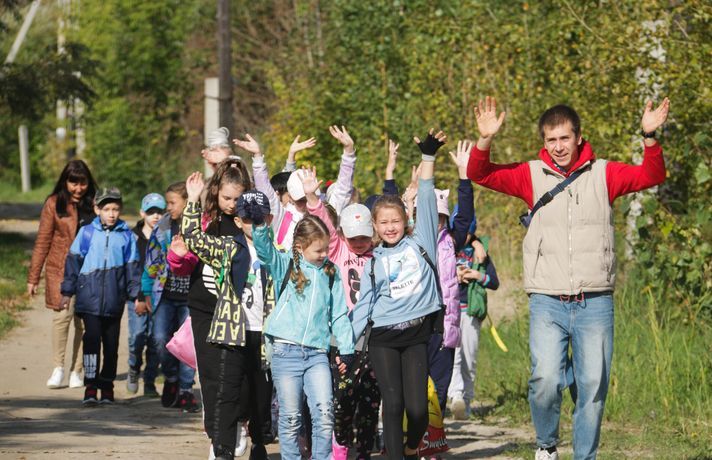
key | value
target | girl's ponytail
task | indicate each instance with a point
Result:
(232, 170)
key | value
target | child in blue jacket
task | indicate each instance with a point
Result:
(311, 307)
(402, 299)
(102, 270)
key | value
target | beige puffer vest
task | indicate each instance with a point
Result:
(569, 246)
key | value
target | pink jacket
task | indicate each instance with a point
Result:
(184, 266)
(447, 269)
(350, 263)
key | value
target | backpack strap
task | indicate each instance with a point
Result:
(525, 219)
(434, 269)
(285, 280)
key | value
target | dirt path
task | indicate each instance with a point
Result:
(36, 422)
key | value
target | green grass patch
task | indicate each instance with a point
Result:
(660, 398)
(10, 193)
(15, 252)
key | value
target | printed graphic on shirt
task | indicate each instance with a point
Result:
(354, 285)
(209, 280)
(177, 284)
(404, 273)
(252, 298)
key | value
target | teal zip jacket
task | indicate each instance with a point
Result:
(405, 285)
(309, 318)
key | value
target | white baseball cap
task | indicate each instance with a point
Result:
(295, 187)
(356, 221)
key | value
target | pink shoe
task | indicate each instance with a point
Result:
(338, 452)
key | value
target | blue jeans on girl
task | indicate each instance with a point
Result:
(298, 370)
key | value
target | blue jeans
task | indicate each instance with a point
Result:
(167, 318)
(297, 370)
(587, 327)
(140, 337)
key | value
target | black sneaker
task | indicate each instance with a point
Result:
(170, 394)
(258, 452)
(149, 390)
(107, 396)
(90, 396)
(187, 402)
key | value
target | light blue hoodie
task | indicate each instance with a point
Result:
(405, 285)
(304, 318)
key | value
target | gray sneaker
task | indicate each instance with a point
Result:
(132, 381)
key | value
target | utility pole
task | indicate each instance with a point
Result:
(224, 64)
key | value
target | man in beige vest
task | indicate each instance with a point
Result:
(569, 261)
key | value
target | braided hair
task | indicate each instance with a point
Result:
(308, 230)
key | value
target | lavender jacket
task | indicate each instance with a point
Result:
(447, 270)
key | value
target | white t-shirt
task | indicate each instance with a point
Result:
(252, 297)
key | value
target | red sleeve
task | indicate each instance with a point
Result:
(623, 178)
(513, 179)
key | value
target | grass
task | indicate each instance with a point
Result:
(659, 403)
(10, 193)
(15, 251)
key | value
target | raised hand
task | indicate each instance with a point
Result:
(309, 181)
(653, 119)
(415, 175)
(215, 155)
(432, 143)
(299, 146)
(462, 157)
(392, 159)
(343, 136)
(250, 144)
(488, 123)
(194, 185)
(178, 246)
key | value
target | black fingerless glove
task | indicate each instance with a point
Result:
(429, 146)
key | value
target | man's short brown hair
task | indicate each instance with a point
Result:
(559, 115)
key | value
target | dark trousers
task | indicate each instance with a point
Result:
(440, 362)
(357, 401)
(100, 331)
(233, 384)
(402, 374)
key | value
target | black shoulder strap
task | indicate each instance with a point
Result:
(434, 269)
(331, 276)
(372, 274)
(548, 196)
(285, 280)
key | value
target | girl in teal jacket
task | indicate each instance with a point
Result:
(311, 307)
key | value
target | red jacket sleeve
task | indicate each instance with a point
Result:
(513, 179)
(623, 178)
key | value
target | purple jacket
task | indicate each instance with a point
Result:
(447, 269)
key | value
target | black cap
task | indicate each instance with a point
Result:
(251, 203)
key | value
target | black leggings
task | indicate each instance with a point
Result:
(402, 374)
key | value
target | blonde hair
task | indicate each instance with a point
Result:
(391, 202)
(308, 230)
(230, 171)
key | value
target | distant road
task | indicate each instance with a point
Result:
(21, 211)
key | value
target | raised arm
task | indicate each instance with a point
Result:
(623, 178)
(426, 225)
(389, 185)
(465, 198)
(512, 179)
(296, 147)
(317, 208)
(260, 175)
(344, 182)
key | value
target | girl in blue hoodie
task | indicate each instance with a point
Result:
(403, 304)
(311, 307)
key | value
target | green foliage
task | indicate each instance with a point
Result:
(14, 262)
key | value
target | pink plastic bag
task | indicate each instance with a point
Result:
(338, 452)
(181, 345)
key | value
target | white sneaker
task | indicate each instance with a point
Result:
(241, 442)
(75, 380)
(458, 407)
(211, 455)
(542, 454)
(55, 380)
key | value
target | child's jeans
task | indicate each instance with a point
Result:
(140, 337)
(167, 318)
(297, 369)
(100, 331)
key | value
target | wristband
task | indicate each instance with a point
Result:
(425, 157)
(650, 135)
